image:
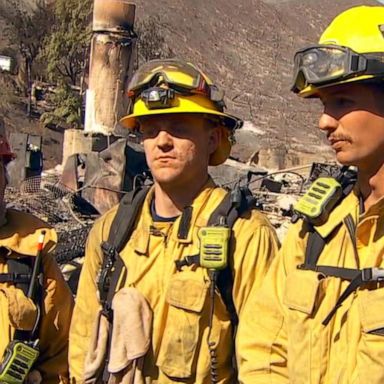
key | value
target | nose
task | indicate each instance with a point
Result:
(327, 122)
(164, 140)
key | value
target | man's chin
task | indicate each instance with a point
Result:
(166, 178)
(344, 159)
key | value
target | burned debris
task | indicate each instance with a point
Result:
(90, 185)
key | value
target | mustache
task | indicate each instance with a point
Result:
(338, 137)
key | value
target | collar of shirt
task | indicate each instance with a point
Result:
(202, 207)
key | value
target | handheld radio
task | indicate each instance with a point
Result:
(214, 247)
(18, 359)
(319, 200)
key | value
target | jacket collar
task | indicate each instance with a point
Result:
(374, 211)
(199, 217)
(348, 206)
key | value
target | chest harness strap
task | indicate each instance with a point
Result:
(232, 207)
(357, 277)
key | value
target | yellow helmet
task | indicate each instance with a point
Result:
(350, 49)
(162, 87)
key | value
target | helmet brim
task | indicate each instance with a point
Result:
(312, 91)
(191, 105)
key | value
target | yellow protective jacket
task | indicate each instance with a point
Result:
(289, 343)
(179, 299)
(18, 239)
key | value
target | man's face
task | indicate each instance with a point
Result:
(178, 147)
(353, 119)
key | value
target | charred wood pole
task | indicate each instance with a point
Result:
(111, 63)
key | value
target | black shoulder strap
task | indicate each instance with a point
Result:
(20, 274)
(124, 221)
(234, 204)
(315, 246)
(121, 229)
(20, 271)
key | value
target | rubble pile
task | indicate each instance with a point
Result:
(45, 198)
(276, 196)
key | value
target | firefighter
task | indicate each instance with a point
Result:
(35, 308)
(174, 263)
(320, 313)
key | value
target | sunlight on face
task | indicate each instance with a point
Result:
(178, 147)
(353, 120)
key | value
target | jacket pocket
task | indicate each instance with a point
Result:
(302, 291)
(302, 297)
(186, 296)
(372, 311)
(370, 356)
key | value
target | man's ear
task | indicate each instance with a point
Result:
(214, 138)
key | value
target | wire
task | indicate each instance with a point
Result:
(137, 177)
(249, 182)
(211, 344)
(66, 201)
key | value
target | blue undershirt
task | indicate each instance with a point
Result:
(160, 219)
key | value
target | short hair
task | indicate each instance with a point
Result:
(376, 84)
(377, 87)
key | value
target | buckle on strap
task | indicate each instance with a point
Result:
(366, 275)
(15, 278)
(104, 278)
(187, 261)
(372, 274)
(108, 249)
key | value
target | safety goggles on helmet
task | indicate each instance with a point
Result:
(180, 77)
(322, 64)
(174, 72)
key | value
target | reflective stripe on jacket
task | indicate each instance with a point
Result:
(18, 238)
(179, 299)
(289, 343)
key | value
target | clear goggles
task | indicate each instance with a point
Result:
(322, 64)
(181, 77)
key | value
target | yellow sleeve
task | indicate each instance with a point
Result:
(256, 245)
(262, 342)
(54, 326)
(87, 305)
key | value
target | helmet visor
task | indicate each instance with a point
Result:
(318, 65)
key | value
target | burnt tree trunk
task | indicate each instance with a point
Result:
(111, 62)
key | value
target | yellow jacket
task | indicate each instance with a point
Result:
(179, 300)
(288, 342)
(18, 238)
